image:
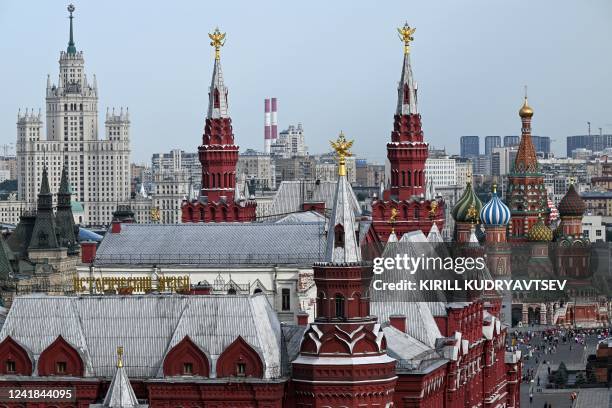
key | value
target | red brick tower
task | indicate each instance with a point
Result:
(526, 194)
(218, 154)
(407, 153)
(343, 360)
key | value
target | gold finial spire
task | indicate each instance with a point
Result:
(119, 357)
(405, 34)
(526, 111)
(494, 188)
(472, 214)
(342, 146)
(392, 219)
(217, 40)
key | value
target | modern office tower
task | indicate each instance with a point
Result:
(98, 169)
(510, 141)
(595, 143)
(470, 146)
(502, 160)
(541, 144)
(492, 142)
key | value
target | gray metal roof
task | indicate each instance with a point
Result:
(147, 327)
(292, 194)
(214, 244)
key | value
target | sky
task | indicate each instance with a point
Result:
(333, 65)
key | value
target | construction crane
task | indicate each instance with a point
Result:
(6, 148)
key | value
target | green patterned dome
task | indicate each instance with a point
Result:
(468, 207)
(539, 232)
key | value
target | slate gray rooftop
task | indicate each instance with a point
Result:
(227, 244)
(147, 327)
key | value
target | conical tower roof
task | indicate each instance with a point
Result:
(217, 104)
(120, 392)
(342, 243)
(526, 159)
(407, 88)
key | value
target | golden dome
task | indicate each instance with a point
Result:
(526, 111)
(539, 232)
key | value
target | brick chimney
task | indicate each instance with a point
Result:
(302, 318)
(88, 251)
(399, 322)
(116, 227)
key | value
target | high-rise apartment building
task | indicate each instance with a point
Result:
(290, 143)
(470, 146)
(98, 169)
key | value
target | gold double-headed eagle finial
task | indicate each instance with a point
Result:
(217, 40)
(342, 146)
(119, 357)
(392, 219)
(433, 210)
(405, 34)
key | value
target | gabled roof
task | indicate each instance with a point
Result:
(233, 244)
(147, 326)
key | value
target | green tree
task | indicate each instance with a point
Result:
(580, 379)
(560, 376)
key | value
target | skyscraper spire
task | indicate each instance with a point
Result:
(71, 48)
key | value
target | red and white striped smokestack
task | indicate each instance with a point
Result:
(267, 130)
(274, 128)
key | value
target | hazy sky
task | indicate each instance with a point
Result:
(332, 65)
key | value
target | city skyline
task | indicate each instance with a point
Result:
(311, 74)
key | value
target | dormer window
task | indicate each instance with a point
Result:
(60, 367)
(406, 94)
(187, 369)
(338, 236)
(10, 367)
(216, 101)
(241, 369)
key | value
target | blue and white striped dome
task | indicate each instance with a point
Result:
(495, 212)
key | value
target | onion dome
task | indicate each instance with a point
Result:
(571, 204)
(539, 232)
(468, 207)
(553, 214)
(495, 212)
(526, 111)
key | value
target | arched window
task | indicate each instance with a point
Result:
(257, 290)
(218, 179)
(231, 291)
(339, 305)
(409, 178)
(416, 213)
(404, 177)
(406, 94)
(339, 236)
